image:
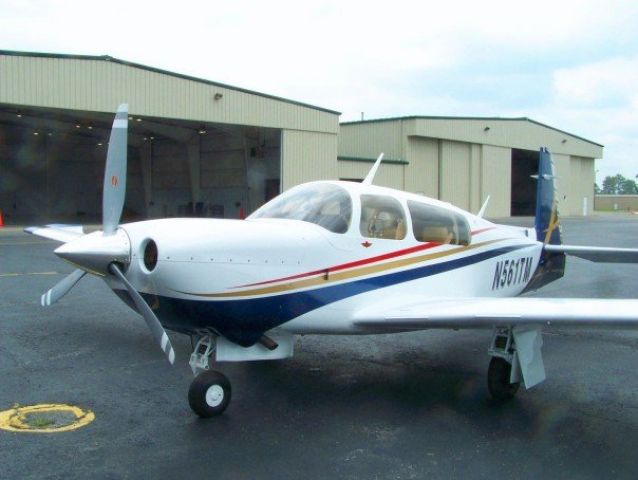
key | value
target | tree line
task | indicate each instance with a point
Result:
(617, 185)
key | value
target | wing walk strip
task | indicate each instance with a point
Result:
(339, 276)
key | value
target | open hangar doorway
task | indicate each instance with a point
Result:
(52, 164)
(524, 166)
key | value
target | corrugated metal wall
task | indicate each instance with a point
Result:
(454, 167)
(581, 183)
(496, 174)
(442, 164)
(521, 134)
(307, 156)
(389, 175)
(370, 139)
(422, 174)
(100, 85)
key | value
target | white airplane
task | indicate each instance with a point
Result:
(335, 257)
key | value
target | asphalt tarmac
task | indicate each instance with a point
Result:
(406, 406)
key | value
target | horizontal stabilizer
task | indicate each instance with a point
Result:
(597, 254)
(60, 233)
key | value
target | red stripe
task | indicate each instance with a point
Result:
(358, 263)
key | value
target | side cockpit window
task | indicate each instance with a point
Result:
(382, 217)
(436, 224)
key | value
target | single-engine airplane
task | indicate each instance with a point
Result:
(335, 257)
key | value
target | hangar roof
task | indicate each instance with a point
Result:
(503, 119)
(517, 132)
(100, 83)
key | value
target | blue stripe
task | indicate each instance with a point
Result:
(243, 321)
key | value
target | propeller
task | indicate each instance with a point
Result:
(103, 253)
(142, 307)
(61, 288)
(115, 173)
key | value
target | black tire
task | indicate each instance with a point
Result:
(498, 380)
(209, 394)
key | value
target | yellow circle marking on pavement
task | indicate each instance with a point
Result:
(34, 418)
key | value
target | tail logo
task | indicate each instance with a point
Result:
(114, 180)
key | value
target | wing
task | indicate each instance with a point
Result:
(61, 233)
(476, 313)
(597, 254)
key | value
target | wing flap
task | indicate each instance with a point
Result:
(597, 254)
(478, 313)
(60, 233)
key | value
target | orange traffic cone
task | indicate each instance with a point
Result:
(1, 220)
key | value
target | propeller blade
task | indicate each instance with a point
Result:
(114, 190)
(151, 320)
(61, 288)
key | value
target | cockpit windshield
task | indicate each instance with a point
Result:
(324, 204)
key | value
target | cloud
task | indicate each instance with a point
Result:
(562, 63)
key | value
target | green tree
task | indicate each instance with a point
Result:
(619, 185)
(628, 187)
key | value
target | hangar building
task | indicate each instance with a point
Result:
(195, 147)
(198, 147)
(463, 160)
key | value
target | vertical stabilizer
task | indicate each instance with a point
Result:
(552, 265)
(546, 222)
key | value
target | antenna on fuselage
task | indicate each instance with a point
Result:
(483, 208)
(373, 171)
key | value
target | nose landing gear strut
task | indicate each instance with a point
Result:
(210, 392)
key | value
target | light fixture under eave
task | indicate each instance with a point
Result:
(564, 140)
(90, 127)
(486, 129)
(202, 131)
(218, 96)
(19, 115)
(36, 133)
(138, 119)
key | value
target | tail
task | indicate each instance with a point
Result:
(546, 222)
(552, 264)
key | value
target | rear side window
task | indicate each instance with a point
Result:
(382, 217)
(436, 224)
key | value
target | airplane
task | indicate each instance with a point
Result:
(335, 257)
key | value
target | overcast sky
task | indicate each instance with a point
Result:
(572, 65)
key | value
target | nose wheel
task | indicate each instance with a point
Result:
(209, 393)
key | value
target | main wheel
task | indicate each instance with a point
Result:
(498, 380)
(209, 393)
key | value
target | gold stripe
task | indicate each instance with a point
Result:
(553, 222)
(335, 277)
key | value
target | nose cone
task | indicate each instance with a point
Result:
(95, 252)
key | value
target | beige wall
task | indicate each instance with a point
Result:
(458, 161)
(621, 202)
(496, 174)
(422, 175)
(511, 133)
(370, 139)
(582, 177)
(454, 167)
(307, 156)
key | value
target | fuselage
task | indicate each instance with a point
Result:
(308, 261)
